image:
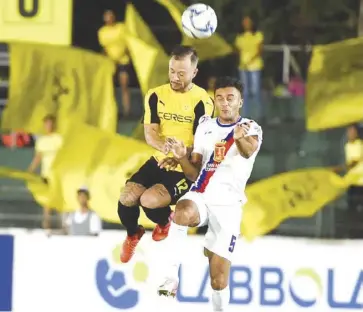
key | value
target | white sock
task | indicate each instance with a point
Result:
(175, 243)
(220, 299)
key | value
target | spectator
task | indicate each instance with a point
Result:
(112, 38)
(250, 44)
(211, 85)
(46, 148)
(354, 159)
(83, 221)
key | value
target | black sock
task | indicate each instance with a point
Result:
(159, 216)
(129, 217)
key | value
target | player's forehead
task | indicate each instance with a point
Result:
(180, 64)
(227, 91)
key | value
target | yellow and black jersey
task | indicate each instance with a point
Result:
(177, 113)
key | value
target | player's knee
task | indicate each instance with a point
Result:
(185, 214)
(155, 197)
(131, 194)
(219, 282)
(148, 200)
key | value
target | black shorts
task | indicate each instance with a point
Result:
(174, 181)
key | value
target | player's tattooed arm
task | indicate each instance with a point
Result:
(153, 138)
(246, 145)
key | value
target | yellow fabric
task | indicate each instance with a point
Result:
(113, 40)
(148, 56)
(334, 88)
(47, 146)
(175, 113)
(35, 184)
(207, 49)
(61, 81)
(41, 21)
(354, 153)
(248, 44)
(99, 160)
(211, 95)
(299, 193)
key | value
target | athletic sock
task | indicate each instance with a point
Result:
(159, 216)
(220, 299)
(175, 247)
(129, 217)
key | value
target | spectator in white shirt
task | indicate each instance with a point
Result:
(83, 221)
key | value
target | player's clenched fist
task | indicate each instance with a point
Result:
(241, 130)
(177, 147)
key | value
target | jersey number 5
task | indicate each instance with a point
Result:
(232, 244)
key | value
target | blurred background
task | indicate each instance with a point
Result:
(304, 88)
(290, 29)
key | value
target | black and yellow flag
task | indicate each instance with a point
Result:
(148, 56)
(62, 81)
(208, 48)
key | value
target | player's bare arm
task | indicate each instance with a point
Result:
(246, 144)
(153, 138)
(35, 162)
(191, 166)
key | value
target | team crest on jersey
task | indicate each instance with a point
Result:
(219, 151)
(204, 119)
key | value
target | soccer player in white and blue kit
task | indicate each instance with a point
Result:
(224, 152)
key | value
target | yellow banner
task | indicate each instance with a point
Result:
(295, 194)
(334, 88)
(148, 56)
(62, 81)
(42, 21)
(299, 193)
(35, 184)
(100, 160)
(209, 48)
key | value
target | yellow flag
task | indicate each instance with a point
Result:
(209, 48)
(35, 184)
(334, 88)
(36, 21)
(62, 81)
(299, 193)
(99, 160)
(148, 56)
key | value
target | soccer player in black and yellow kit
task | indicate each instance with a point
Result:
(171, 110)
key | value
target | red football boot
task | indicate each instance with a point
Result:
(129, 245)
(161, 232)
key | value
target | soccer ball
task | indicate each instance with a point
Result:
(199, 21)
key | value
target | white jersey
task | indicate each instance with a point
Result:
(224, 171)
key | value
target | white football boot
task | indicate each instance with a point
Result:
(169, 288)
